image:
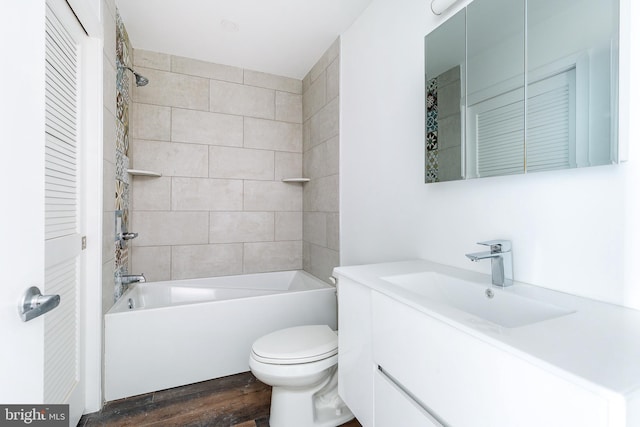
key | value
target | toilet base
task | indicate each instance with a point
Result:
(317, 407)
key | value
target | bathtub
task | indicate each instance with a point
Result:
(167, 334)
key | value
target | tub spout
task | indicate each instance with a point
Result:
(128, 279)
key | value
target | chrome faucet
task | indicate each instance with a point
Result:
(501, 261)
(128, 279)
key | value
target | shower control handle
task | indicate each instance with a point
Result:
(128, 236)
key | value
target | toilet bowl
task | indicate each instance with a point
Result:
(301, 364)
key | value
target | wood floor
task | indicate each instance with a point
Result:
(235, 401)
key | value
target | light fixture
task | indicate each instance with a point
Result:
(438, 7)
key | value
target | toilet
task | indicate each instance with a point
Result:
(301, 365)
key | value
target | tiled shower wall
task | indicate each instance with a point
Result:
(117, 87)
(109, 153)
(223, 138)
(321, 115)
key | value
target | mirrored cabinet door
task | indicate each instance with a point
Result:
(444, 90)
(495, 88)
(571, 83)
(520, 86)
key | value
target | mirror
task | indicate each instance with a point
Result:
(480, 68)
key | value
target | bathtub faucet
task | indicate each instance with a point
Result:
(128, 279)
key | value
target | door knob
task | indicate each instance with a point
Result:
(34, 304)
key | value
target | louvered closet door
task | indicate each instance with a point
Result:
(62, 205)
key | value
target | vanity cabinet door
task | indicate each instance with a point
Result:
(355, 364)
(466, 382)
(395, 408)
(447, 371)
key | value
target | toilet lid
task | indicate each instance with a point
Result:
(301, 344)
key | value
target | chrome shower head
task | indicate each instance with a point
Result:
(140, 79)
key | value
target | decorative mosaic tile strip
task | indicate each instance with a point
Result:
(120, 166)
(431, 176)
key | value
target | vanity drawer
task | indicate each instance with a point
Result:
(395, 408)
(466, 382)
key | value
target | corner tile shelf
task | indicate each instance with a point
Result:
(139, 172)
(300, 180)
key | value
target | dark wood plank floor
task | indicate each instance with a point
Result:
(235, 401)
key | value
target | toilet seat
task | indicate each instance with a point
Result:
(300, 344)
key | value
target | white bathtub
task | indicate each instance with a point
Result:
(166, 334)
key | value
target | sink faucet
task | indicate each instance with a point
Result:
(128, 279)
(501, 261)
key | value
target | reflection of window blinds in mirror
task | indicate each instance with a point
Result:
(550, 130)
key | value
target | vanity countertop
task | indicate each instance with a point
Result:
(597, 346)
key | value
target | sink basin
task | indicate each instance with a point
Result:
(505, 308)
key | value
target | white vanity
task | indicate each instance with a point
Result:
(423, 344)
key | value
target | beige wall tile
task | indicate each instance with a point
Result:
(288, 226)
(326, 123)
(232, 98)
(209, 70)
(323, 261)
(272, 256)
(315, 228)
(170, 158)
(109, 85)
(272, 196)
(151, 193)
(322, 160)
(109, 46)
(108, 236)
(174, 90)
(233, 227)
(315, 98)
(108, 136)
(204, 194)
(306, 257)
(148, 59)
(206, 128)
(272, 81)
(150, 122)
(152, 261)
(288, 107)
(108, 284)
(288, 165)
(206, 260)
(110, 7)
(327, 58)
(241, 163)
(321, 195)
(333, 79)
(306, 136)
(108, 186)
(333, 231)
(272, 135)
(169, 228)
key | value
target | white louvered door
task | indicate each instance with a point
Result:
(41, 215)
(63, 241)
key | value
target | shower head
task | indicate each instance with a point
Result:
(140, 79)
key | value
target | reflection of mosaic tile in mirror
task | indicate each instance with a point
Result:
(431, 166)
(431, 131)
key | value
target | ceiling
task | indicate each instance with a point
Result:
(283, 37)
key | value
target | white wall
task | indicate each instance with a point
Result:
(573, 231)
